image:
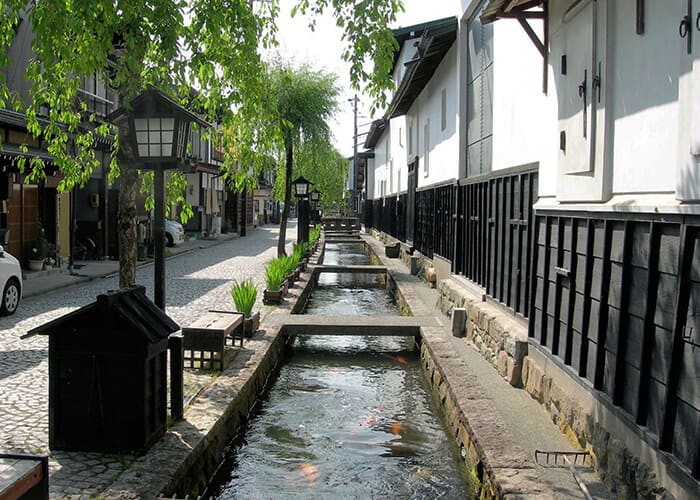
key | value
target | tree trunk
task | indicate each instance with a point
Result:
(289, 163)
(126, 224)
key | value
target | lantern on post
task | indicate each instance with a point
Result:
(154, 131)
(301, 190)
(315, 198)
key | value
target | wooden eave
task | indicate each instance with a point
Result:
(432, 47)
(376, 130)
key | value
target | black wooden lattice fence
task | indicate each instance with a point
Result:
(618, 301)
(614, 299)
(494, 217)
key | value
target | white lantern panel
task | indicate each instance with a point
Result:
(140, 124)
(167, 136)
(167, 124)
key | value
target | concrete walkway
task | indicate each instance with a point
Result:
(198, 278)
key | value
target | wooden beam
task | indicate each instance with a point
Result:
(533, 36)
(668, 418)
(587, 285)
(598, 379)
(522, 15)
(619, 380)
(649, 326)
(407, 326)
(521, 5)
(349, 269)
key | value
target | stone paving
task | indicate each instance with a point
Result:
(196, 282)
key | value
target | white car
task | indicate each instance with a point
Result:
(11, 282)
(174, 233)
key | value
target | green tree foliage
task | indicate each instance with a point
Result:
(212, 46)
(323, 165)
(303, 100)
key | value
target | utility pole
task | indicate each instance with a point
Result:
(353, 210)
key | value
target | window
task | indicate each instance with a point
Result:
(443, 110)
(410, 139)
(400, 137)
(479, 95)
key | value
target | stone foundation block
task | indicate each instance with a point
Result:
(502, 364)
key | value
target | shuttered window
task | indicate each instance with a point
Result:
(479, 96)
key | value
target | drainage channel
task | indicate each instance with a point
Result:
(348, 415)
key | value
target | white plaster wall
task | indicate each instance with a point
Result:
(397, 133)
(524, 119)
(380, 167)
(688, 171)
(549, 157)
(645, 97)
(443, 147)
(369, 180)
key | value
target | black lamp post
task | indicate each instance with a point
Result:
(154, 131)
(301, 190)
(315, 198)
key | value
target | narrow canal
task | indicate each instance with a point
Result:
(348, 416)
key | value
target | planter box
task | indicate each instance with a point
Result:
(36, 265)
(392, 251)
(273, 296)
(251, 325)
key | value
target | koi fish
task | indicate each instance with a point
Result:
(398, 359)
(396, 428)
(309, 472)
(368, 421)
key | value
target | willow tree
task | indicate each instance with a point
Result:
(212, 46)
(303, 100)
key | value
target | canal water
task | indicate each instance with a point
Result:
(348, 416)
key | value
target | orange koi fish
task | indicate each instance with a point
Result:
(309, 472)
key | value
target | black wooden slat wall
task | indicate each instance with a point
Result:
(616, 299)
(368, 214)
(423, 239)
(494, 222)
(402, 209)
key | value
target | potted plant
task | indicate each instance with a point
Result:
(289, 266)
(39, 250)
(274, 281)
(314, 235)
(244, 295)
(300, 251)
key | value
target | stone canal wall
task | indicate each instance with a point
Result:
(616, 449)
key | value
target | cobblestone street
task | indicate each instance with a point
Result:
(196, 281)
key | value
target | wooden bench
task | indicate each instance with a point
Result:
(204, 339)
(25, 476)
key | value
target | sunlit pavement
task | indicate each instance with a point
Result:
(196, 281)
